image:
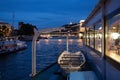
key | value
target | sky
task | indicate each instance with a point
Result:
(45, 13)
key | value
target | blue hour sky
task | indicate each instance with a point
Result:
(45, 13)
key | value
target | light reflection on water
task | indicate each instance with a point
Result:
(48, 50)
(17, 66)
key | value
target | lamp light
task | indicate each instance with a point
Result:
(115, 35)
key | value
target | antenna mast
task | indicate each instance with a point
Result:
(13, 16)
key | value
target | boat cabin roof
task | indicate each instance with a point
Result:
(82, 75)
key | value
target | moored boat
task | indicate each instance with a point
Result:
(11, 44)
(71, 61)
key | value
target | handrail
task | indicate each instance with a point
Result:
(36, 35)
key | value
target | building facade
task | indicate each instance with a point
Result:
(5, 29)
(81, 29)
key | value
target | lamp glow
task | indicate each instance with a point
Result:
(115, 35)
(100, 35)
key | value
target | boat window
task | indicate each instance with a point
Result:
(92, 37)
(98, 37)
(114, 35)
(88, 37)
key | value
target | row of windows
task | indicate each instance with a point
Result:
(113, 39)
(94, 36)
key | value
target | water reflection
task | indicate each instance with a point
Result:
(18, 65)
(80, 42)
(59, 41)
(48, 50)
(47, 41)
(70, 41)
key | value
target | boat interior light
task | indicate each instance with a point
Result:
(115, 35)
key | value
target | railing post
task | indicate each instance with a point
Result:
(36, 34)
(34, 56)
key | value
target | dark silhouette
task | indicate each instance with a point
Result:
(26, 29)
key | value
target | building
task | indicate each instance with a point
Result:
(5, 29)
(71, 27)
(102, 36)
(81, 28)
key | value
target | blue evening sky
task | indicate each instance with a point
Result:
(45, 13)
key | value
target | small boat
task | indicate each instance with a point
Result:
(70, 62)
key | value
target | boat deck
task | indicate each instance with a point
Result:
(53, 72)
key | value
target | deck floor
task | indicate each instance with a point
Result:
(54, 72)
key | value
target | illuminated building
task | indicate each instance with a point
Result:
(5, 29)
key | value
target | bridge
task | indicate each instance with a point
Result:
(58, 34)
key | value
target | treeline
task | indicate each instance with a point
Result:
(26, 29)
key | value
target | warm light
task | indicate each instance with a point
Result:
(95, 35)
(46, 40)
(60, 40)
(100, 35)
(99, 49)
(48, 35)
(114, 27)
(71, 40)
(91, 36)
(115, 35)
(79, 40)
(87, 36)
(80, 35)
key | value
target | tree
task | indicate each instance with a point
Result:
(26, 29)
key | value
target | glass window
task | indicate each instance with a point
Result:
(85, 37)
(98, 37)
(92, 38)
(114, 35)
(88, 37)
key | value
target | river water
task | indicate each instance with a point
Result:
(17, 66)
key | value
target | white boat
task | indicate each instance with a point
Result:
(11, 44)
(70, 62)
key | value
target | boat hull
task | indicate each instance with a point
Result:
(71, 61)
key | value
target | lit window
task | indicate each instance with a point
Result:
(98, 37)
(114, 35)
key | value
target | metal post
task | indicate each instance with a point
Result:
(67, 43)
(36, 34)
(104, 39)
(34, 56)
